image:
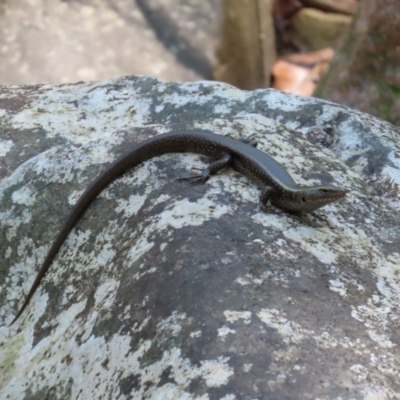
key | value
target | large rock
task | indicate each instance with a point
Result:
(168, 291)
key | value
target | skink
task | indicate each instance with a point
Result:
(277, 185)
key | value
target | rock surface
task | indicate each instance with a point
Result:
(169, 291)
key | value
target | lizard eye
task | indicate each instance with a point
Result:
(324, 190)
(303, 199)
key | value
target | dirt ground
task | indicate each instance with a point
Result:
(56, 41)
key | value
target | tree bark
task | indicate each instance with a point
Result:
(247, 51)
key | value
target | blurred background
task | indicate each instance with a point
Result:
(347, 51)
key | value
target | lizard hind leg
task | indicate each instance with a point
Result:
(215, 167)
(195, 179)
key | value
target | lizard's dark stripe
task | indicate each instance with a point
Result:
(257, 165)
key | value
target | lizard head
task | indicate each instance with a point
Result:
(312, 198)
(307, 199)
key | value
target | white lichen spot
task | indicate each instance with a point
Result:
(162, 199)
(131, 206)
(390, 175)
(105, 255)
(224, 331)
(257, 281)
(25, 245)
(172, 325)
(281, 377)
(105, 294)
(23, 196)
(74, 197)
(140, 275)
(195, 334)
(233, 316)
(186, 213)
(229, 397)
(216, 372)
(290, 331)
(28, 254)
(382, 340)
(376, 315)
(170, 391)
(385, 363)
(338, 287)
(357, 315)
(325, 340)
(141, 247)
(360, 371)
(283, 102)
(314, 241)
(136, 326)
(11, 223)
(8, 252)
(5, 147)
(221, 109)
(271, 220)
(75, 241)
(247, 367)
(242, 281)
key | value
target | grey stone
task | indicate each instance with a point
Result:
(175, 292)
